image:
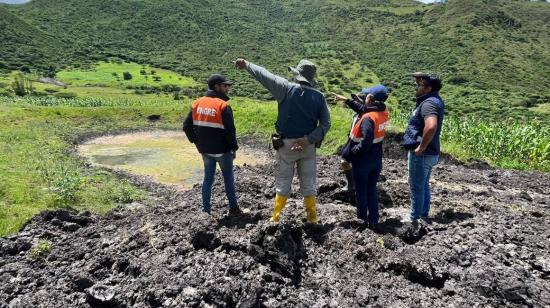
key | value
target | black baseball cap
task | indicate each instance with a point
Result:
(217, 79)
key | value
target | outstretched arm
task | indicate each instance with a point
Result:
(276, 85)
(356, 106)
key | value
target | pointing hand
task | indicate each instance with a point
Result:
(240, 63)
(338, 98)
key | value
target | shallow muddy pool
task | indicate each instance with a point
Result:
(165, 156)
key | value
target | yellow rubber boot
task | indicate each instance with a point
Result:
(311, 210)
(280, 202)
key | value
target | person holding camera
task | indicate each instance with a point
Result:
(421, 139)
(303, 119)
(364, 148)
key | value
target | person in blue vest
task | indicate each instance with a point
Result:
(210, 126)
(421, 139)
(303, 119)
(364, 148)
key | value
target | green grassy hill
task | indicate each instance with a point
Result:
(23, 45)
(494, 56)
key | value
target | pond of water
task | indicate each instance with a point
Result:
(165, 156)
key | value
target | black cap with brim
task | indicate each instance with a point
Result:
(217, 79)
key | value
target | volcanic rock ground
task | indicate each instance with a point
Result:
(487, 246)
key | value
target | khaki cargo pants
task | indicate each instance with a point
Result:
(287, 160)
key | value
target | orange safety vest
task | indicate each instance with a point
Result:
(207, 111)
(380, 119)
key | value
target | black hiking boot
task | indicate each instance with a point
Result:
(235, 211)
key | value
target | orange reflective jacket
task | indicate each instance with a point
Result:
(380, 119)
(207, 111)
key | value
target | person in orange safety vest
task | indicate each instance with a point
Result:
(364, 148)
(210, 126)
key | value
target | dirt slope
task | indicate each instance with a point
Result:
(487, 246)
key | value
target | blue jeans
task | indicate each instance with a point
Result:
(420, 170)
(226, 164)
(365, 175)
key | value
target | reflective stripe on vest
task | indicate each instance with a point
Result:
(207, 112)
(380, 119)
(354, 120)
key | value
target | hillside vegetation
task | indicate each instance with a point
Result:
(493, 55)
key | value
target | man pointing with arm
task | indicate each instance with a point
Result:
(303, 120)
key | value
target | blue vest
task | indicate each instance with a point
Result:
(413, 133)
(299, 112)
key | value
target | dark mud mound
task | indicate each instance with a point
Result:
(486, 246)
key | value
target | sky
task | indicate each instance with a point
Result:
(14, 1)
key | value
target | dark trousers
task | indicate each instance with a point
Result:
(226, 164)
(366, 175)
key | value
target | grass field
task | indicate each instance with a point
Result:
(38, 168)
(37, 137)
(111, 75)
(542, 108)
(39, 171)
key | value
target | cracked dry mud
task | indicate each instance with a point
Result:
(486, 247)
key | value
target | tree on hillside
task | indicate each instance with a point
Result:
(21, 85)
(127, 76)
(51, 71)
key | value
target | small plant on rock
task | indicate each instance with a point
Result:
(41, 250)
(380, 242)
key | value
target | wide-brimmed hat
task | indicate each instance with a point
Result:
(379, 91)
(305, 71)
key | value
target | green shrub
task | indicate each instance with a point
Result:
(41, 250)
(51, 90)
(125, 194)
(66, 186)
(65, 95)
(21, 85)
